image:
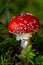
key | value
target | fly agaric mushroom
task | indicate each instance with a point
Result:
(23, 26)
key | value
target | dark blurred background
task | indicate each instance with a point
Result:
(10, 8)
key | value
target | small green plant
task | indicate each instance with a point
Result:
(27, 55)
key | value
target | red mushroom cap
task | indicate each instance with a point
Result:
(24, 23)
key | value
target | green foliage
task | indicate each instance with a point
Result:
(27, 55)
(5, 60)
(37, 40)
(39, 60)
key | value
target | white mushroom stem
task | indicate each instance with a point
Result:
(24, 43)
(25, 39)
